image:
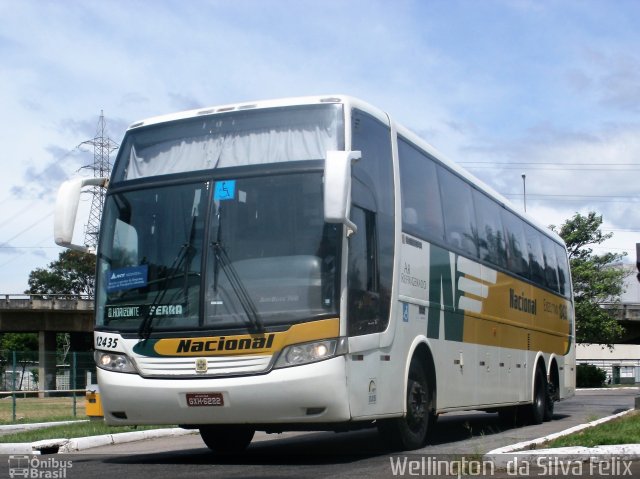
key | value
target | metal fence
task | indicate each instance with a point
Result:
(23, 396)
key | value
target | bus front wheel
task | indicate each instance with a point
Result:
(227, 439)
(410, 431)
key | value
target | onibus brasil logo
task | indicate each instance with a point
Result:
(35, 467)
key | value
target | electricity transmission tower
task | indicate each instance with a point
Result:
(102, 148)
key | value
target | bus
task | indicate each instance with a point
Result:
(310, 264)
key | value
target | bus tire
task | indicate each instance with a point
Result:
(539, 405)
(411, 431)
(227, 439)
(551, 394)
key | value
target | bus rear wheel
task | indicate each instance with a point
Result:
(551, 397)
(227, 439)
(410, 431)
(540, 397)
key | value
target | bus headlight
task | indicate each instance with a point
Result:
(117, 362)
(306, 353)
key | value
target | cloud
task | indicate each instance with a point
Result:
(40, 182)
(558, 176)
(133, 98)
(81, 128)
(609, 78)
(8, 250)
(620, 85)
(532, 88)
(180, 101)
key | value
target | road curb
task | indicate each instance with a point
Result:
(82, 443)
(525, 451)
(65, 446)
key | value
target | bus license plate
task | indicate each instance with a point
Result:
(204, 399)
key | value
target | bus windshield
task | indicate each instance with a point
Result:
(238, 138)
(233, 254)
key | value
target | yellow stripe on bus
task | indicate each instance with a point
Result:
(263, 344)
(517, 315)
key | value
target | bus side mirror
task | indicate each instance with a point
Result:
(337, 187)
(67, 208)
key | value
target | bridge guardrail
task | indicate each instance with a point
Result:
(46, 301)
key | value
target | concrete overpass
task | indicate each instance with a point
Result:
(46, 315)
(629, 318)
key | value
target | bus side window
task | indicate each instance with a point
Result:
(517, 253)
(550, 264)
(364, 301)
(490, 232)
(563, 271)
(536, 259)
(421, 208)
(459, 214)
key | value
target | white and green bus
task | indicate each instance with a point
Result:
(309, 264)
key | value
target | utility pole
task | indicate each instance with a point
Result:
(524, 191)
(102, 148)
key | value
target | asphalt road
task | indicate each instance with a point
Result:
(358, 454)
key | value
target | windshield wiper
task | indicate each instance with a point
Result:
(238, 286)
(183, 254)
(222, 258)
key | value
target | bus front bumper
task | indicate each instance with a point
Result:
(312, 393)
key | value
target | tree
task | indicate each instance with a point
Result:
(21, 348)
(72, 274)
(19, 342)
(597, 282)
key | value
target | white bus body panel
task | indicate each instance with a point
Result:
(281, 396)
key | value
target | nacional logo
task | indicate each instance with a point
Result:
(225, 344)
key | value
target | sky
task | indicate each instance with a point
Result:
(547, 89)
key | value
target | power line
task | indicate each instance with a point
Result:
(44, 171)
(549, 166)
(32, 225)
(543, 163)
(22, 253)
(572, 196)
(18, 213)
(29, 247)
(577, 198)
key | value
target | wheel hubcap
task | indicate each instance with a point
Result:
(416, 403)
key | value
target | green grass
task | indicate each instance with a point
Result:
(33, 409)
(91, 428)
(625, 430)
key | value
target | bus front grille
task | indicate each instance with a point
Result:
(212, 366)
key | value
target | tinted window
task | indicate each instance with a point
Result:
(536, 258)
(421, 208)
(372, 189)
(517, 251)
(490, 238)
(563, 270)
(459, 215)
(363, 299)
(550, 264)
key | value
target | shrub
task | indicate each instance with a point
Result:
(590, 376)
